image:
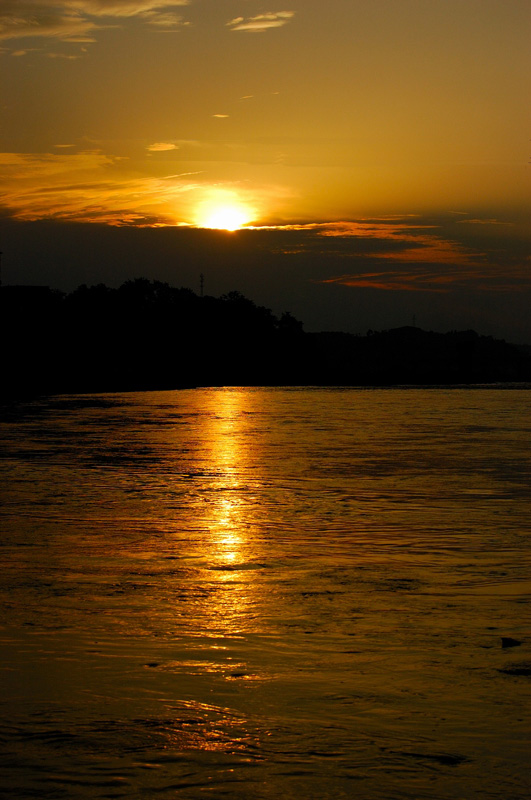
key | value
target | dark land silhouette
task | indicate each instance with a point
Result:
(149, 335)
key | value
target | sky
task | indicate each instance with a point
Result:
(361, 163)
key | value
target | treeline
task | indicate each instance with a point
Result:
(149, 335)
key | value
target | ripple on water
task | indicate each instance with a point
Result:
(266, 593)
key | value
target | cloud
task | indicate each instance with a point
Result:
(159, 147)
(394, 238)
(482, 222)
(120, 8)
(397, 254)
(87, 187)
(261, 22)
(485, 278)
(68, 57)
(71, 20)
(30, 20)
(400, 255)
(90, 186)
(164, 22)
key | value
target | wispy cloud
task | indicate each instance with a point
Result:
(66, 56)
(159, 147)
(85, 187)
(401, 255)
(482, 277)
(483, 222)
(118, 8)
(164, 22)
(261, 22)
(90, 186)
(73, 19)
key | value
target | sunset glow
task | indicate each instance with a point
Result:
(222, 209)
(225, 217)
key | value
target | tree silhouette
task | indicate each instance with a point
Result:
(147, 334)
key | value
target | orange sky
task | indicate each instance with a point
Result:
(148, 109)
(226, 113)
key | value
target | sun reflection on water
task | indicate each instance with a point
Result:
(228, 454)
(229, 547)
(228, 536)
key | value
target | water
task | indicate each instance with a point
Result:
(267, 593)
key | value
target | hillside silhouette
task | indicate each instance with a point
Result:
(149, 335)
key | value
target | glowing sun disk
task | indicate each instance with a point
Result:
(225, 217)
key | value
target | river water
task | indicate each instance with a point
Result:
(266, 593)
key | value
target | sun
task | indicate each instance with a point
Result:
(227, 217)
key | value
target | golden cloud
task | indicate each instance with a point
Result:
(87, 187)
(159, 147)
(261, 22)
(90, 186)
(73, 19)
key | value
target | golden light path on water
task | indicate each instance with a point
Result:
(227, 547)
(229, 456)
